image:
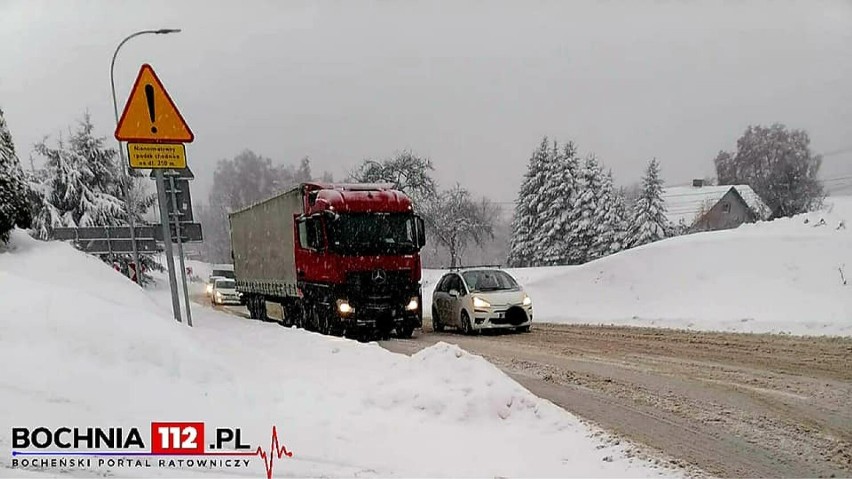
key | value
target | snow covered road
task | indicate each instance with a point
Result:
(735, 405)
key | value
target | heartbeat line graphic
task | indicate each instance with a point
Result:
(274, 450)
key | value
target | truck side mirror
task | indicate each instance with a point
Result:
(421, 232)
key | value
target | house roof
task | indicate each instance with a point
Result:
(686, 203)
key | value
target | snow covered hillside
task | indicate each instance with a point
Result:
(83, 346)
(784, 276)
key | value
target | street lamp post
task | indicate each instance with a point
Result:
(125, 177)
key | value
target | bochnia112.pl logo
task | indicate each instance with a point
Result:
(181, 445)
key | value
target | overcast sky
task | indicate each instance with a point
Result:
(472, 85)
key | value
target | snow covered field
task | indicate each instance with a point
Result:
(782, 276)
(82, 346)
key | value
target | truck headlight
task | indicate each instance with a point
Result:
(209, 288)
(527, 300)
(344, 307)
(480, 303)
(412, 305)
(219, 296)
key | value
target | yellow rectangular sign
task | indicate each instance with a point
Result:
(157, 155)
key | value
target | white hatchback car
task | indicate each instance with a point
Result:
(225, 292)
(480, 298)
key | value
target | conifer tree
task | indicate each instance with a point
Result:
(649, 222)
(587, 209)
(611, 220)
(523, 245)
(14, 191)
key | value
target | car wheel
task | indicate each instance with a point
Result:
(466, 327)
(436, 322)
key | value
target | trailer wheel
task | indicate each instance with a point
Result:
(251, 305)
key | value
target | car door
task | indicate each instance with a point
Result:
(439, 297)
(454, 303)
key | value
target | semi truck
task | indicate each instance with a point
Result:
(340, 259)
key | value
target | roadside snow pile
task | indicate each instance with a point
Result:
(784, 276)
(473, 381)
(82, 346)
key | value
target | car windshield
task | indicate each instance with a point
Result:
(225, 284)
(489, 280)
(225, 273)
(373, 233)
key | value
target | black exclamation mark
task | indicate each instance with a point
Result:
(149, 94)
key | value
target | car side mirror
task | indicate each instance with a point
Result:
(454, 293)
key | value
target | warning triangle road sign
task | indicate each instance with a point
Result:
(150, 115)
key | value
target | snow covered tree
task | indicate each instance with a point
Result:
(456, 219)
(610, 217)
(409, 173)
(561, 228)
(621, 213)
(81, 185)
(14, 191)
(779, 165)
(526, 220)
(587, 208)
(77, 197)
(649, 222)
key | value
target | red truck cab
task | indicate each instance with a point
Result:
(357, 254)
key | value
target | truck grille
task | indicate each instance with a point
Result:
(378, 284)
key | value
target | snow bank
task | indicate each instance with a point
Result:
(82, 346)
(784, 276)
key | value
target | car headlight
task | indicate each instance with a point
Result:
(344, 307)
(480, 303)
(412, 305)
(527, 300)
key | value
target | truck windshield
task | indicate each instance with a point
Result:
(374, 233)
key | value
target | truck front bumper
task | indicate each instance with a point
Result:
(383, 318)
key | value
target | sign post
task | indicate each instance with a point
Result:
(176, 209)
(167, 242)
(155, 132)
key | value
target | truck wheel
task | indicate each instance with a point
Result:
(466, 327)
(404, 332)
(291, 315)
(318, 321)
(437, 326)
(523, 329)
